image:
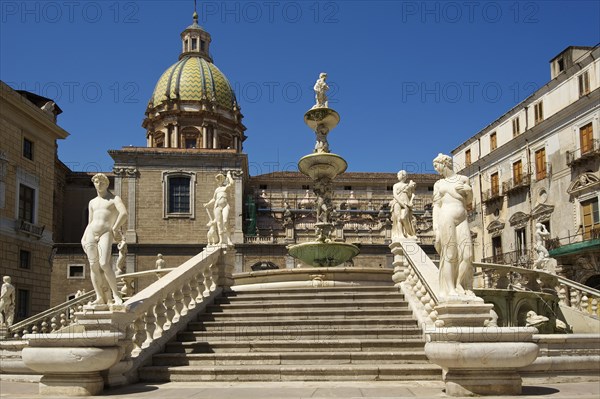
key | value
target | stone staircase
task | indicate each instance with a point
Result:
(298, 334)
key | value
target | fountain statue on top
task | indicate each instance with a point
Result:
(322, 167)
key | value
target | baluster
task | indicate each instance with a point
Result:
(34, 329)
(161, 319)
(193, 292)
(178, 296)
(139, 336)
(63, 320)
(419, 289)
(53, 324)
(185, 291)
(584, 304)
(574, 298)
(595, 306)
(563, 298)
(150, 321)
(214, 268)
(44, 327)
(207, 274)
(170, 313)
(200, 287)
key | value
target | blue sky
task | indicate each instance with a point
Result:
(409, 78)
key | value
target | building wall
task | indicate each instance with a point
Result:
(21, 119)
(550, 198)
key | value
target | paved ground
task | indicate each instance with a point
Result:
(300, 390)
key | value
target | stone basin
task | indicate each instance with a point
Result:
(321, 116)
(319, 254)
(322, 165)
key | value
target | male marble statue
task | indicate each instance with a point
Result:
(220, 203)
(320, 89)
(541, 235)
(451, 197)
(7, 302)
(401, 207)
(160, 262)
(107, 214)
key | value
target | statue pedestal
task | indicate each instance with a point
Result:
(463, 311)
(481, 360)
(71, 362)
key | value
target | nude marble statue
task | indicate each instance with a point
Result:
(451, 197)
(107, 214)
(220, 215)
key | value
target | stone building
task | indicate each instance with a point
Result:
(539, 162)
(194, 131)
(30, 203)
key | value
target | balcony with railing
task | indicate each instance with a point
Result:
(581, 241)
(514, 184)
(492, 195)
(582, 154)
(35, 230)
(522, 258)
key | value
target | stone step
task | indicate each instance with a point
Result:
(334, 304)
(320, 297)
(306, 345)
(286, 358)
(352, 372)
(308, 291)
(313, 314)
(370, 322)
(297, 333)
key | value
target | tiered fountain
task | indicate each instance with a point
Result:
(322, 167)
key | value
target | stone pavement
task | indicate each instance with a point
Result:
(300, 390)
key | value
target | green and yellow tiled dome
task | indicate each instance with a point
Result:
(193, 79)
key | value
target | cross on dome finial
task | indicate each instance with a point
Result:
(195, 15)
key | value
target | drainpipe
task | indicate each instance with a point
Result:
(481, 212)
(531, 229)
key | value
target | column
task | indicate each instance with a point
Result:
(238, 234)
(168, 136)
(176, 137)
(215, 139)
(204, 136)
(130, 234)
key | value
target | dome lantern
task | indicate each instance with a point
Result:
(195, 41)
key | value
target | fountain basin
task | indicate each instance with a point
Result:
(319, 254)
(321, 116)
(322, 165)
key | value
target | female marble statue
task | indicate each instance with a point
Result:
(541, 235)
(451, 197)
(107, 214)
(401, 207)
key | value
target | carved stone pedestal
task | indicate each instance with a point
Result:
(463, 311)
(481, 360)
(71, 362)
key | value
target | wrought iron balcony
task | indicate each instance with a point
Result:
(26, 227)
(513, 184)
(522, 258)
(582, 154)
(492, 195)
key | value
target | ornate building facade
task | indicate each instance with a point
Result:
(539, 163)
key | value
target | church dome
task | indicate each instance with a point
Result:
(193, 78)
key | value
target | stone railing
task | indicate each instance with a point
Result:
(50, 320)
(579, 297)
(63, 315)
(152, 317)
(498, 276)
(260, 240)
(417, 276)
